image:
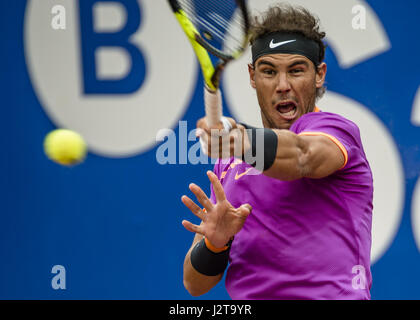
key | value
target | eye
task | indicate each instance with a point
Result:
(297, 70)
(268, 71)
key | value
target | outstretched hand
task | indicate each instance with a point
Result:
(220, 221)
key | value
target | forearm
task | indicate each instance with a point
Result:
(195, 282)
(291, 157)
(277, 153)
(208, 258)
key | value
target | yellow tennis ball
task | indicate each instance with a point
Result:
(65, 147)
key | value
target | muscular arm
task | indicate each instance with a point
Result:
(195, 282)
(310, 156)
(220, 222)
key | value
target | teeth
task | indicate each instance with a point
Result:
(290, 113)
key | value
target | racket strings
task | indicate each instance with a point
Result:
(219, 22)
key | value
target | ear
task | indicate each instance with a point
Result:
(320, 75)
(251, 72)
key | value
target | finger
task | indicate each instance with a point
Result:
(236, 143)
(232, 122)
(203, 145)
(192, 227)
(219, 147)
(201, 197)
(218, 132)
(217, 186)
(193, 207)
(199, 132)
(244, 210)
(202, 123)
(216, 127)
(213, 147)
(227, 125)
(224, 146)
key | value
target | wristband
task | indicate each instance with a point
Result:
(207, 262)
(213, 248)
(253, 155)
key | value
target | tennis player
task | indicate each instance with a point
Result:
(301, 229)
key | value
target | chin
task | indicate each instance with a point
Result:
(283, 126)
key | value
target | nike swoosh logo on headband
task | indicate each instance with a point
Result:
(278, 44)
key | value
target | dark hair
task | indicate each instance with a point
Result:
(293, 19)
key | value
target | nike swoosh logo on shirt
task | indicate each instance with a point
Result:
(238, 176)
(278, 44)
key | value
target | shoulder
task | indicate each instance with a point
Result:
(323, 119)
(342, 131)
(329, 123)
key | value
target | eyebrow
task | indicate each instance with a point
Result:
(261, 62)
(265, 62)
(305, 63)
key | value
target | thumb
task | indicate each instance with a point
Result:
(245, 210)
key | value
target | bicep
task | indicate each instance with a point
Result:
(323, 156)
(306, 155)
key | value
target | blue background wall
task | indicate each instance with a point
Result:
(114, 223)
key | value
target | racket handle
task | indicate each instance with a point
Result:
(213, 106)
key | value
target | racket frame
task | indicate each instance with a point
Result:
(202, 48)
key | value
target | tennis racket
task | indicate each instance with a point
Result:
(218, 28)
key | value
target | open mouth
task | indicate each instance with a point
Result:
(287, 109)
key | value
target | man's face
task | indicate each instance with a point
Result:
(286, 87)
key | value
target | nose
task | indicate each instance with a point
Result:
(283, 84)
